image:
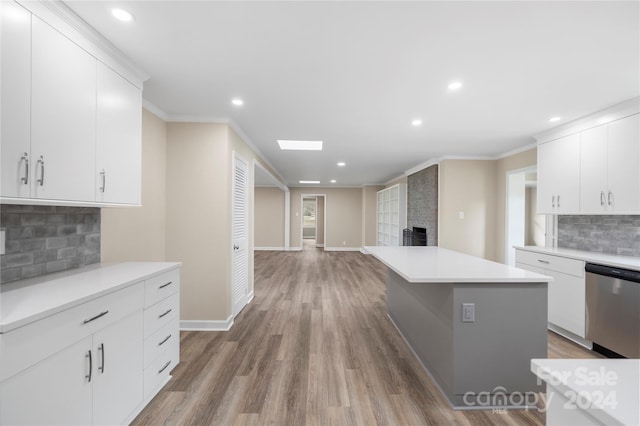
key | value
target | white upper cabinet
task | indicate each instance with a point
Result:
(593, 169)
(610, 167)
(559, 175)
(71, 125)
(63, 117)
(623, 161)
(118, 136)
(15, 108)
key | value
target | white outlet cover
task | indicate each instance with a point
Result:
(461, 215)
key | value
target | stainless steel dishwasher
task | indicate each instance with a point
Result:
(613, 310)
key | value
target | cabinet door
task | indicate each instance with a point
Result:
(623, 162)
(118, 139)
(567, 302)
(15, 102)
(118, 370)
(63, 117)
(54, 391)
(593, 169)
(559, 175)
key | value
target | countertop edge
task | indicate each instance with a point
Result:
(6, 327)
(586, 256)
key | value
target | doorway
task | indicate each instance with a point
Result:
(313, 229)
(523, 226)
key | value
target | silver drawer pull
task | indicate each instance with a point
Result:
(100, 315)
(165, 367)
(165, 314)
(543, 261)
(165, 285)
(164, 340)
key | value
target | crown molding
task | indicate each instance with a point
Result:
(152, 108)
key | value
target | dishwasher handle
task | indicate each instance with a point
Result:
(611, 271)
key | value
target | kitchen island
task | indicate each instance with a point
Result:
(474, 324)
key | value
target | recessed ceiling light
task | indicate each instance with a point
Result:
(309, 181)
(301, 145)
(455, 85)
(122, 15)
(333, 181)
(554, 119)
(416, 122)
(342, 163)
(237, 102)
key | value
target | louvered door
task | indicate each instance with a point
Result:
(240, 255)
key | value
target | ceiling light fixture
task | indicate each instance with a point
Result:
(333, 181)
(309, 181)
(237, 102)
(416, 122)
(122, 15)
(342, 163)
(554, 119)
(455, 85)
(300, 145)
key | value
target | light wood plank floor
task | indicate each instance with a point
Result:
(314, 347)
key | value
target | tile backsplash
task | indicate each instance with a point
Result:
(46, 239)
(603, 234)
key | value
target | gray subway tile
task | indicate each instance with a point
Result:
(10, 274)
(18, 259)
(32, 270)
(55, 266)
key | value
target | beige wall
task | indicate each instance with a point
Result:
(269, 217)
(504, 165)
(344, 214)
(320, 221)
(199, 217)
(467, 186)
(369, 203)
(139, 233)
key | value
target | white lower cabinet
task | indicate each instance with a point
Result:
(566, 293)
(98, 362)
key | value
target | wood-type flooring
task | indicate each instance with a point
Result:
(315, 347)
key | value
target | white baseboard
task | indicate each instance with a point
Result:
(342, 248)
(206, 325)
(319, 245)
(295, 248)
(250, 297)
(363, 251)
(269, 248)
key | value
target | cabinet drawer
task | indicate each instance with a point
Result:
(161, 286)
(157, 343)
(554, 263)
(25, 346)
(161, 314)
(159, 370)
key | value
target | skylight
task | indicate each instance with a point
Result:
(301, 145)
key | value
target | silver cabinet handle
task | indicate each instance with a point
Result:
(164, 340)
(602, 198)
(165, 314)
(165, 285)
(236, 247)
(88, 376)
(546, 262)
(103, 174)
(553, 201)
(609, 198)
(41, 163)
(558, 201)
(101, 349)
(25, 178)
(100, 315)
(164, 368)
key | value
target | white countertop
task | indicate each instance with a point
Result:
(628, 262)
(608, 389)
(23, 302)
(438, 265)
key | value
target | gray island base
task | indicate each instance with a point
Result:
(479, 360)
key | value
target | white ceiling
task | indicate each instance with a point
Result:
(355, 74)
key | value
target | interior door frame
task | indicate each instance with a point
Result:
(324, 216)
(524, 170)
(235, 157)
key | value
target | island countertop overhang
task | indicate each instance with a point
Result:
(438, 265)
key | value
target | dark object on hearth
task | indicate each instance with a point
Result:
(419, 236)
(406, 237)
